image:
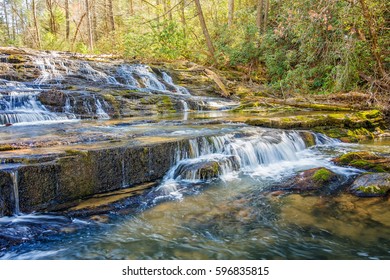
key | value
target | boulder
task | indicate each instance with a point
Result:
(365, 160)
(312, 180)
(205, 169)
(371, 185)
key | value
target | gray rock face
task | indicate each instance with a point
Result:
(76, 175)
(371, 185)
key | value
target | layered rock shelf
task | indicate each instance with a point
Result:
(52, 184)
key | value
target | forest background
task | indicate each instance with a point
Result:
(301, 46)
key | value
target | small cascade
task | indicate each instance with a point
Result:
(49, 70)
(185, 109)
(185, 105)
(68, 109)
(322, 139)
(222, 156)
(169, 81)
(15, 186)
(99, 109)
(140, 77)
(96, 75)
(54, 68)
(24, 107)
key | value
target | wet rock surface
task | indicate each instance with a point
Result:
(371, 185)
(365, 160)
(347, 126)
(316, 179)
(206, 169)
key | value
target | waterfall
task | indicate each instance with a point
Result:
(96, 75)
(15, 186)
(99, 109)
(169, 81)
(24, 107)
(185, 106)
(185, 109)
(141, 77)
(55, 68)
(221, 156)
(68, 109)
(48, 70)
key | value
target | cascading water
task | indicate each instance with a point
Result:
(15, 186)
(22, 106)
(99, 109)
(251, 152)
(49, 71)
(169, 81)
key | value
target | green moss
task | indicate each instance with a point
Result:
(322, 176)
(365, 160)
(209, 171)
(76, 153)
(165, 105)
(109, 98)
(371, 189)
(356, 156)
(363, 164)
(114, 103)
(16, 58)
(308, 138)
(6, 147)
(369, 114)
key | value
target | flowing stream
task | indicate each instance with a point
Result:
(227, 211)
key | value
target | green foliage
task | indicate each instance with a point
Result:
(308, 46)
(163, 40)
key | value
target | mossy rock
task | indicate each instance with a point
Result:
(365, 160)
(346, 126)
(322, 176)
(165, 105)
(308, 138)
(371, 185)
(205, 170)
(114, 103)
(7, 147)
(315, 179)
(14, 58)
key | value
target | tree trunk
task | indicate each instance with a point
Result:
(169, 9)
(231, 13)
(183, 17)
(266, 10)
(131, 7)
(37, 33)
(374, 39)
(94, 21)
(77, 29)
(52, 20)
(204, 29)
(259, 15)
(6, 20)
(14, 23)
(157, 13)
(67, 20)
(111, 15)
(89, 25)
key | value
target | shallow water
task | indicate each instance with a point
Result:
(236, 216)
